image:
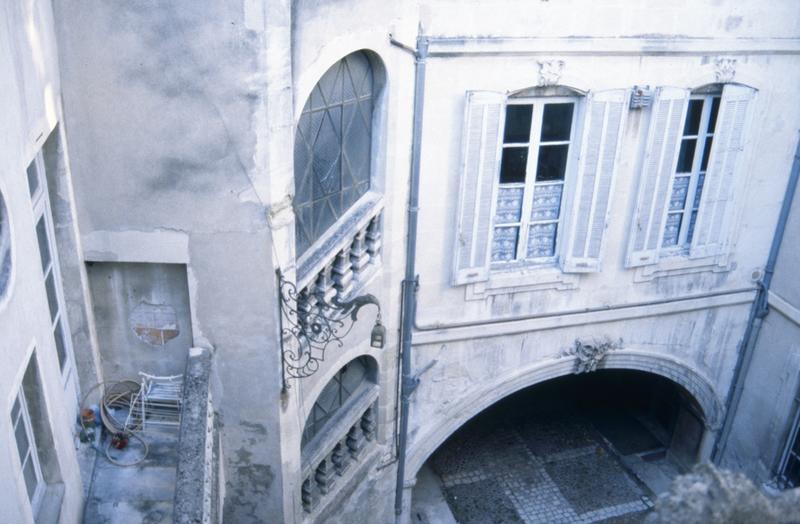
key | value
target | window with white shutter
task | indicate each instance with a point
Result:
(481, 151)
(602, 133)
(688, 173)
(535, 184)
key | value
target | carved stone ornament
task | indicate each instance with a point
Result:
(550, 72)
(589, 355)
(724, 69)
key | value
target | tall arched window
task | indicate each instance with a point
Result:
(332, 149)
(353, 375)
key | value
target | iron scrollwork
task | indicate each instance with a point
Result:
(309, 323)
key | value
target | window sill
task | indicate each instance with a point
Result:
(521, 279)
(678, 263)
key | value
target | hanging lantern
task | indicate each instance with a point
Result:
(378, 335)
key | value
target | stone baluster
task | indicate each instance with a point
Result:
(304, 305)
(325, 283)
(358, 251)
(340, 458)
(374, 236)
(325, 476)
(368, 423)
(355, 440)
(308, 496)
(343, 273)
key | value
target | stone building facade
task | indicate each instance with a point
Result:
(591, 187)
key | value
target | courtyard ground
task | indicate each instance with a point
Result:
(546, 462)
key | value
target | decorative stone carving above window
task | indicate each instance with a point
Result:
(550, 72)
(724, 69)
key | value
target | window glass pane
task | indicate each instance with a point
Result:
(60, 344)
(690, 233)
(512, 167)
(693, 115)
(680, 188)
(30, 478)
(672, 229)
(556, 122)
(509, 205)
(541, 240)
(504, 244)
(352, 375)
(552, 162)
(712, 119)
(686, 155)
(518, 123)
(706, 153)
(21, 436)
(15, 410)
(33, 178)
(52, 300)
(44, 246)
(699, 191)
(546, 202)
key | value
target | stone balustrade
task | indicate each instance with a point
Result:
(331, 463)
(346, 263)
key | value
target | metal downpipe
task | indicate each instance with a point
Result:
(758, 311)
(408, 382)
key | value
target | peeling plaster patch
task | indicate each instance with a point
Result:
(154, 324)
(732, 22)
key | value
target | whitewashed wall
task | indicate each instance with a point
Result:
(30, 109)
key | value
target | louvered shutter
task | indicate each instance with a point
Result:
(709, 237)
(660, 161)
(602, 132)
(482, 143)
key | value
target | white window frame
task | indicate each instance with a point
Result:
(530, 183)
(42, 210)
(24, 417)
(689, 208)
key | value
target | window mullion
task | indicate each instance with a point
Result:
(695, 174)
(530, 180)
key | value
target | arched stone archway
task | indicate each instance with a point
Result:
(487, 394)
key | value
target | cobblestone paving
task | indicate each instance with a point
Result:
(546, 470)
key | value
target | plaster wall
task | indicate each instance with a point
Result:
(128, 297)
(519, 18)
(770, 396)
(167, 109)
(476, 343)
(757, 197)
(322, 33)
(29, 81)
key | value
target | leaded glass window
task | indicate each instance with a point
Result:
(336, 392)
(333, 148)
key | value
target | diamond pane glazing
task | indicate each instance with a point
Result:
(333, 148)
